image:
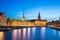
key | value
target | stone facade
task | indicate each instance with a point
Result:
(23, 22)
(2, 18)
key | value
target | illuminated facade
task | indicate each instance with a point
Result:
(2, 18)
(23, 22)
(40, 22)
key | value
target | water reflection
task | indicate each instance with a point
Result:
(28, 34)
(33, 33)
(24, 33)
(33, 30)
(42, 33)
(59, 33)
(54, 32)
(14, 34)
(19, 34)
(1, 35)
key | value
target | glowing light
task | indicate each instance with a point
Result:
(42, 33)
(24, 33)
(1, 35)
(28, 33)
(14, 34)
(33, 31)
(43, 28)
(19, 34)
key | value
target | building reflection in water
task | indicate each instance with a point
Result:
(42, 33)
(1, 35)
(24, 33)
(14, 34)
(33, 33)
(33, 30)
(28, 33)
(54, 32)
(59, 34)
(19, 34)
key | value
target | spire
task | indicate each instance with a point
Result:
(39, 16)
(23, 18)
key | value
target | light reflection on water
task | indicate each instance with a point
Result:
(1, 35)
(42, 33)
(54, 32)
(28, 33)
(14, 34)
(59, 34)
(31, 34)
(19, 34)
(24, 33)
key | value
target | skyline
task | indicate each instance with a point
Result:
(49, 9)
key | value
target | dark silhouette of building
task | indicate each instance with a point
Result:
(39, 17)
(54, 23)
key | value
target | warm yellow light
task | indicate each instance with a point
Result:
(24, 33)
(1, 35)
(14, 34)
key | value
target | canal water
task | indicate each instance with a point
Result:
(38, 33)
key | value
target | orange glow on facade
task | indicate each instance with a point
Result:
(1, 35)
(23, 22)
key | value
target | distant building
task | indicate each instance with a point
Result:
(2, 18)
(54, 23)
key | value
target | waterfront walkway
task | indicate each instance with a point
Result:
(4, 28)
(16, 27)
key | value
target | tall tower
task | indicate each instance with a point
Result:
(23, 18)
(39, 16)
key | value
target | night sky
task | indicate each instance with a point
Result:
(49, 9)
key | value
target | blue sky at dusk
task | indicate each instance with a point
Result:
(49, 9)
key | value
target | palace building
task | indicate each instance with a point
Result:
(2, 18)
(22, 22)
